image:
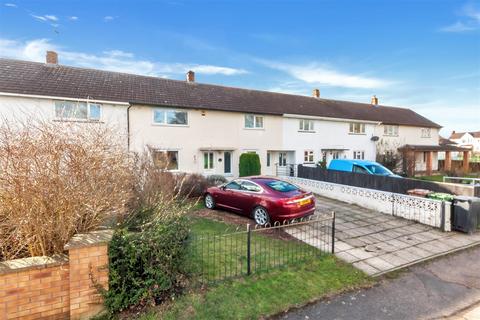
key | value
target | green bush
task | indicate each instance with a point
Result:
(216, 179)
(249, 164)
(148, 265)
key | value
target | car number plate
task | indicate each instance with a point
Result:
(304, 202)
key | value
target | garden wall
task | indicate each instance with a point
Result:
(58, 287)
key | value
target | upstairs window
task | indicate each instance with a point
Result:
(390, 130)
(253, 121)
(306, 125)
(170, 117)
(73, 110)
(426, 132)
(357, 128)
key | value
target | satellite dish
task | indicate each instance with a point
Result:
(374, 138)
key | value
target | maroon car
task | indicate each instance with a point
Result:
(261, 198)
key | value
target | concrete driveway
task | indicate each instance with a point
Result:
(377, 243)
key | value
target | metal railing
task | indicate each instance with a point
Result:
(218, 257)
(288, 170)
(462, 180)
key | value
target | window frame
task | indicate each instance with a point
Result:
(255, 121)
(210, 160)
(165, 117)
(87, 119)
(301, 125)
(390, 130)
(361, 153)
(426, 133)
(307, 155)
(361, 127)
(166, 152)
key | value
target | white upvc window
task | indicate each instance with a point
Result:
(253, 121)
(75, 110)
(166, 159)
(390, 130)
(357, 128)
(164, 116)
(208, 159)
(426, 132)
(308, 156)
(306, 125)
(359, 155)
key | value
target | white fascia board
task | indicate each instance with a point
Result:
(300, 116)
(20, 95)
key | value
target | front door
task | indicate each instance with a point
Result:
(227, 162)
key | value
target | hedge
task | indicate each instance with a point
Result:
(249, 164)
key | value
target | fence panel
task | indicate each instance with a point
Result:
(222, 256)
(370, 181)
(431, 212)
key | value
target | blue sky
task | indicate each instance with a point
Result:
(419, 54)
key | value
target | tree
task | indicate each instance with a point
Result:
(249, 164)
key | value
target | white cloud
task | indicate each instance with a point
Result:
(457, 27)
(11, 5)
(108, 18)
(113, 60)
(314, 73)
(470, 20)
(45, 18)
(73, 18)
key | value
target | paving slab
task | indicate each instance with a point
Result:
(378, 243)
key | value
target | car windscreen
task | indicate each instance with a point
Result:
(376, 169)
(281, 186)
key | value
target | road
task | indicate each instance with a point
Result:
(445, 288)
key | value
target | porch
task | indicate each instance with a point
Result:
(424, 159)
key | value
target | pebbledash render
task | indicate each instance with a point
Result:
(204, 128)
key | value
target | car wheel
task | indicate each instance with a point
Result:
(209, 201)
(261, 216)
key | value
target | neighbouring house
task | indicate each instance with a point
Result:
(468, 140)
(204, 128)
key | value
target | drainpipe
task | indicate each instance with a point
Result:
(128, 127)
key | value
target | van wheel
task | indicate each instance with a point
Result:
(261, 216)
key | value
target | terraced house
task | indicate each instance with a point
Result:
(204, 128)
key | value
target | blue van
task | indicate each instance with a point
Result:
(360, 166)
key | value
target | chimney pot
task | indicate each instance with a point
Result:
(190, 76)
(316, 93)
(52, 57)
(374, 100)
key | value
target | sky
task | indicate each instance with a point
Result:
(424, 55)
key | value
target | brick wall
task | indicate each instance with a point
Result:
(58, 287)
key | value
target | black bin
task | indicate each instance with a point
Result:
(466, 214)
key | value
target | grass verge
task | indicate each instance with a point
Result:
(264, 293)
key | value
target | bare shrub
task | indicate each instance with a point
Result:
(58, 179)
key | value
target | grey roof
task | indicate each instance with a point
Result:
(35, 78)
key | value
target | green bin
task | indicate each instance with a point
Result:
(441, 196)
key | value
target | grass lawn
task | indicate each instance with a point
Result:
(439, 178)
(263, 293)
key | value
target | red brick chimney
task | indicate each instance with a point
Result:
(52, 57)
(374, 100)
(190, 76)
(316, 93)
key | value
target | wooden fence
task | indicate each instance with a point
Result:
(389, 184)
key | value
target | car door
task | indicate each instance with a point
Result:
(249, 196)
(230, 195)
